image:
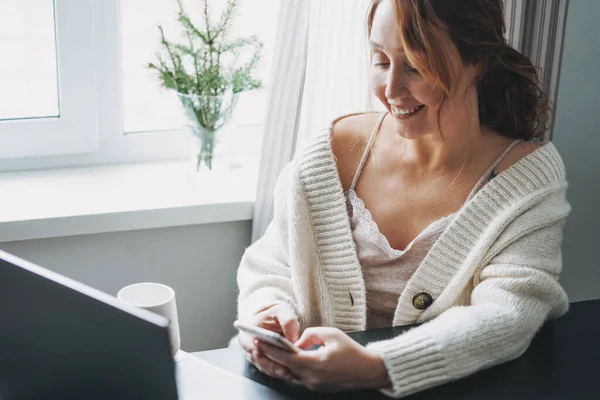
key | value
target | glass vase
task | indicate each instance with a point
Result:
(207, 121)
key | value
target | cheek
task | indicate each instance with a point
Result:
(456, 111)
(426, 94)
(378, 85)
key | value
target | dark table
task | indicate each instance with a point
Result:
(563, 362)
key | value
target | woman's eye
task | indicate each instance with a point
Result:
(410, 69)
(381, 64)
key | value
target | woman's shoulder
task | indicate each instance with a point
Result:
(531, 170)
(339, 145)
(517, 153)
(328, 157)
(541, 163)
(349, 137)
(526, 158)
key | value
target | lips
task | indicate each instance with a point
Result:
(402, 113)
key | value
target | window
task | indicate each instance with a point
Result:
(149, 108)
(46, 96)
(76, 90)
(146, 107)
(28, 70)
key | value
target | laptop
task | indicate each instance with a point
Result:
(60, 339)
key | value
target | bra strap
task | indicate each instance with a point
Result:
(492, 167)
(365, 155)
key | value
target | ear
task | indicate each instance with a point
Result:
(477, 69)
(473, 72)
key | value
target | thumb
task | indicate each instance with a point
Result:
(316, 336)
(289, 324)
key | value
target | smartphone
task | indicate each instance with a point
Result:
(265, 335)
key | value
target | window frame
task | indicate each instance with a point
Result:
(89, 130)
(74, 130)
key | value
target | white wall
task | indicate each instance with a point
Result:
(577, 137)
(199, 262)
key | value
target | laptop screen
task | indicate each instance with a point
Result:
(61, 339)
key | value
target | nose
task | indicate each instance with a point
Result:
(396, 85)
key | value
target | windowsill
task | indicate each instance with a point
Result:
(80, 201)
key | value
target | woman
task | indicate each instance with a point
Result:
(441, 212)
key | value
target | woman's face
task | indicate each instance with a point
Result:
(411, 101)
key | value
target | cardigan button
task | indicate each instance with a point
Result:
(422, 301)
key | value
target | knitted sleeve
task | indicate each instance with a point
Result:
(263, 276)
(514, 294)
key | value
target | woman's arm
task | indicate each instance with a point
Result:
(264, 277)
(517, 292)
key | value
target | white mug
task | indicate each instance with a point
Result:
(159, 299)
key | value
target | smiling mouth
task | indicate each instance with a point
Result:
(404, 113)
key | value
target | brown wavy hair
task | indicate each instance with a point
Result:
(511, 100)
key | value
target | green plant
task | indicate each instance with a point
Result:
(207, 68)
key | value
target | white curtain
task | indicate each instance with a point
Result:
(285, 100)
(319, 73)
(337, 70)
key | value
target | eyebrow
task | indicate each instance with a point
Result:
(379, 46)
(375, 44)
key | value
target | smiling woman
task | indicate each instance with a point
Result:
(440, 211)
(477, 56)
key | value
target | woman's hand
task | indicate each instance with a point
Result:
(279, 318)
(339, 364)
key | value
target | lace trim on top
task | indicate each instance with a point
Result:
(436, 227)
(363, 214)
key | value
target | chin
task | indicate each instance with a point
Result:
(408, 131)
(411, 126)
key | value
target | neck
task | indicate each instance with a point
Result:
(441, 152)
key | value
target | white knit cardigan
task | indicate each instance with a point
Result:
(493, 273)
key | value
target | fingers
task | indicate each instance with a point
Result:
(315, 336)
(280, 318)
(281, 357)
(255, 356)
(268, 367)
(307, 367)
(310, 337)
(324, 369)
(289, 323)
(265, 319)
(247, 342)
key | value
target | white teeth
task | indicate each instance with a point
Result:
(405, 111)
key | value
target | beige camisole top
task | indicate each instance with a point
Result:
(387, 270)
